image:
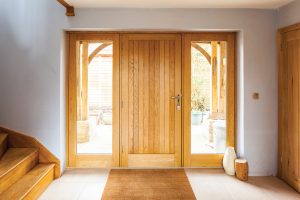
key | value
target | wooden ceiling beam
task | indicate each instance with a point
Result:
(69, 9)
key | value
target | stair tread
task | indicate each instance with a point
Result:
(12, 157)
(23, 186)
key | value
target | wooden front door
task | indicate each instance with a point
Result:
(151, 100)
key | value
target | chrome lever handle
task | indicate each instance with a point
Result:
(178, 100)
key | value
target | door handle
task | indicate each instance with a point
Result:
(178, 101)
(177, 97)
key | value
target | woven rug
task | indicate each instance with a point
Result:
(156, 184)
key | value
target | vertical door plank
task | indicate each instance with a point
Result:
(298, 133)
(146, 97)
(135, 101)
(141, 90)
(125, 71)
(172, 93)
(157, 98)
(178, 91)
(187, 39)
(116, 102)
(214, 78)
(130, 96)
(78, 79)
(280, 103)
(290, 107)
(283, 107)
(230, 91)
(162, 95)
(295, 116)
(151, 96)
(84, 83)
(167, 97)
(222, 89)
(72, 100)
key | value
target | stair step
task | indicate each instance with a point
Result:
(3, 143)
(14, 164)
(31, 185)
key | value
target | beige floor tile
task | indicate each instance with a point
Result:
(207, 184)
(92, 191)
(63, 191)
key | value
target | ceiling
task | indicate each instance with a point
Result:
(261, 4)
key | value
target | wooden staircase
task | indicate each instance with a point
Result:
(22, 175)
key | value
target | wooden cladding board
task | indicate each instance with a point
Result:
(289, 113)
(151, 76)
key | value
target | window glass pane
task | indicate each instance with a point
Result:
(94, 97)
(208, 97)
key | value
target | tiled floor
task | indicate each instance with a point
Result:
(208, 184)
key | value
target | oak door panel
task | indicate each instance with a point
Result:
(151, 75)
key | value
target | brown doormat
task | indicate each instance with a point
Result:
(157, 184)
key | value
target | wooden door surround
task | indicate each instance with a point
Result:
(151, 85)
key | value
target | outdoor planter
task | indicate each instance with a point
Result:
(197, 118)
(83, 131)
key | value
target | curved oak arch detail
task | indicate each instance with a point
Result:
(202, 51)
(97, 50)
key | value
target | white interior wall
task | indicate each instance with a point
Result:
(289, 14)
(32, 70)
(32, 67)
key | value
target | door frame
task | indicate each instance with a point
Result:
(90, 160)
(283, 117)
(208, 160)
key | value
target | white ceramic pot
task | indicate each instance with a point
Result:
(228, 161)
